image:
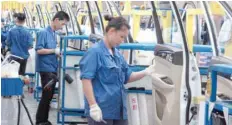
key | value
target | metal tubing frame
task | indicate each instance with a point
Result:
(65, 111)
(215, 69)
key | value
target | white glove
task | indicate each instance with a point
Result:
(96, 113)
(149, 70)
(57, 51)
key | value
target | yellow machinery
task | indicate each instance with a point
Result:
(166, 19)
(190, 15)
(94, 14)
(216, 9)
(228, 49)
(12, 5)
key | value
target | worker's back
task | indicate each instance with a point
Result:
(19, 41)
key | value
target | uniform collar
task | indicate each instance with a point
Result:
(106, 50)
(49, 28)
(19, 26)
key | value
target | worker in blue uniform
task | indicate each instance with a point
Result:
(104, 72)
(19, 41)
(47, 63)
(3, 37)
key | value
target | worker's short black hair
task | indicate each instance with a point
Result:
(21, 17)
(61, 15)
(15, 15)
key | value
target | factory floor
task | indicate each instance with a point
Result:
(9, 110)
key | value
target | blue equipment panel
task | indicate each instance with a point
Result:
(11, 86)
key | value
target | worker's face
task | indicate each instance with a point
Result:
(59, 24)
(116, 37)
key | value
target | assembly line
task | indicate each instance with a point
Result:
(116, 63)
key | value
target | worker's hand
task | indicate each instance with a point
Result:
(96, 113)
(26, 79)
(149, 70)
(57, 51)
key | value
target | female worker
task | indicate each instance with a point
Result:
(104, 72)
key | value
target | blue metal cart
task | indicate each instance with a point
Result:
(218, 105)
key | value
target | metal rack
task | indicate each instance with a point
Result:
(64, 111)
(218, 105)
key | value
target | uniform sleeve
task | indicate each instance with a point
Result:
(89, 64)
(30, 40)
(41, 40)
(127, 70)
(3, 39)
(8, 39)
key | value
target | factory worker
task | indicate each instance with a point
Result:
(104, 72)
(19, 41)
(47, 63)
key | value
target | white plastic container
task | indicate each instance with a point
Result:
(80, 90)
(134, 108)
(143, 107)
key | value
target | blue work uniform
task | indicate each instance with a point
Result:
(108, 74)
(19, 40)
(46, 40)
(3, 39)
